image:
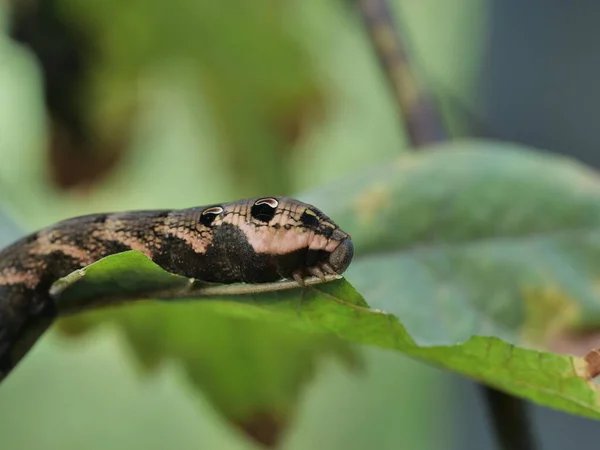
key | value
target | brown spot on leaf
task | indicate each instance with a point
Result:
(75, 326)
(264, 427)
(549, 311)
(372, 202)
(593, 361)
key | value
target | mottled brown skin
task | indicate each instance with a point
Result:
(249, 241)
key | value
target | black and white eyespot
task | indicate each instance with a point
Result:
(209, 215)
(264, 209)
(309, 218)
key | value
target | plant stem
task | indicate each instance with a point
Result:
(510, 419)
(422, 121)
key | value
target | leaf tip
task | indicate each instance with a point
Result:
(264, 428)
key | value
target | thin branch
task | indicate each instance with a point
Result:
(421, 119)
(511, 420)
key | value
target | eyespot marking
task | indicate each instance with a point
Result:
(213, 210)
(209, 215)
(272, 202)
(309, 218)
(264, 209)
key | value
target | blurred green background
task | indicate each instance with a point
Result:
(89, 393)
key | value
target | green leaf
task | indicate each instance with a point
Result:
(246, 65)
(489, 240)
(242, 369)
(478, 257)
(475, 238)
(128, 276)
(247, 359)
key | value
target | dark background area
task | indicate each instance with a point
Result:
(538, 86)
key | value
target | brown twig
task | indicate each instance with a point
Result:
(423, 124)
(512, 424)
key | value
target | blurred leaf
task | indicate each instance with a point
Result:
(242, 59)
(247, 360)
(496, 239)
(252, 366)
(487, 239)
(78, 154)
